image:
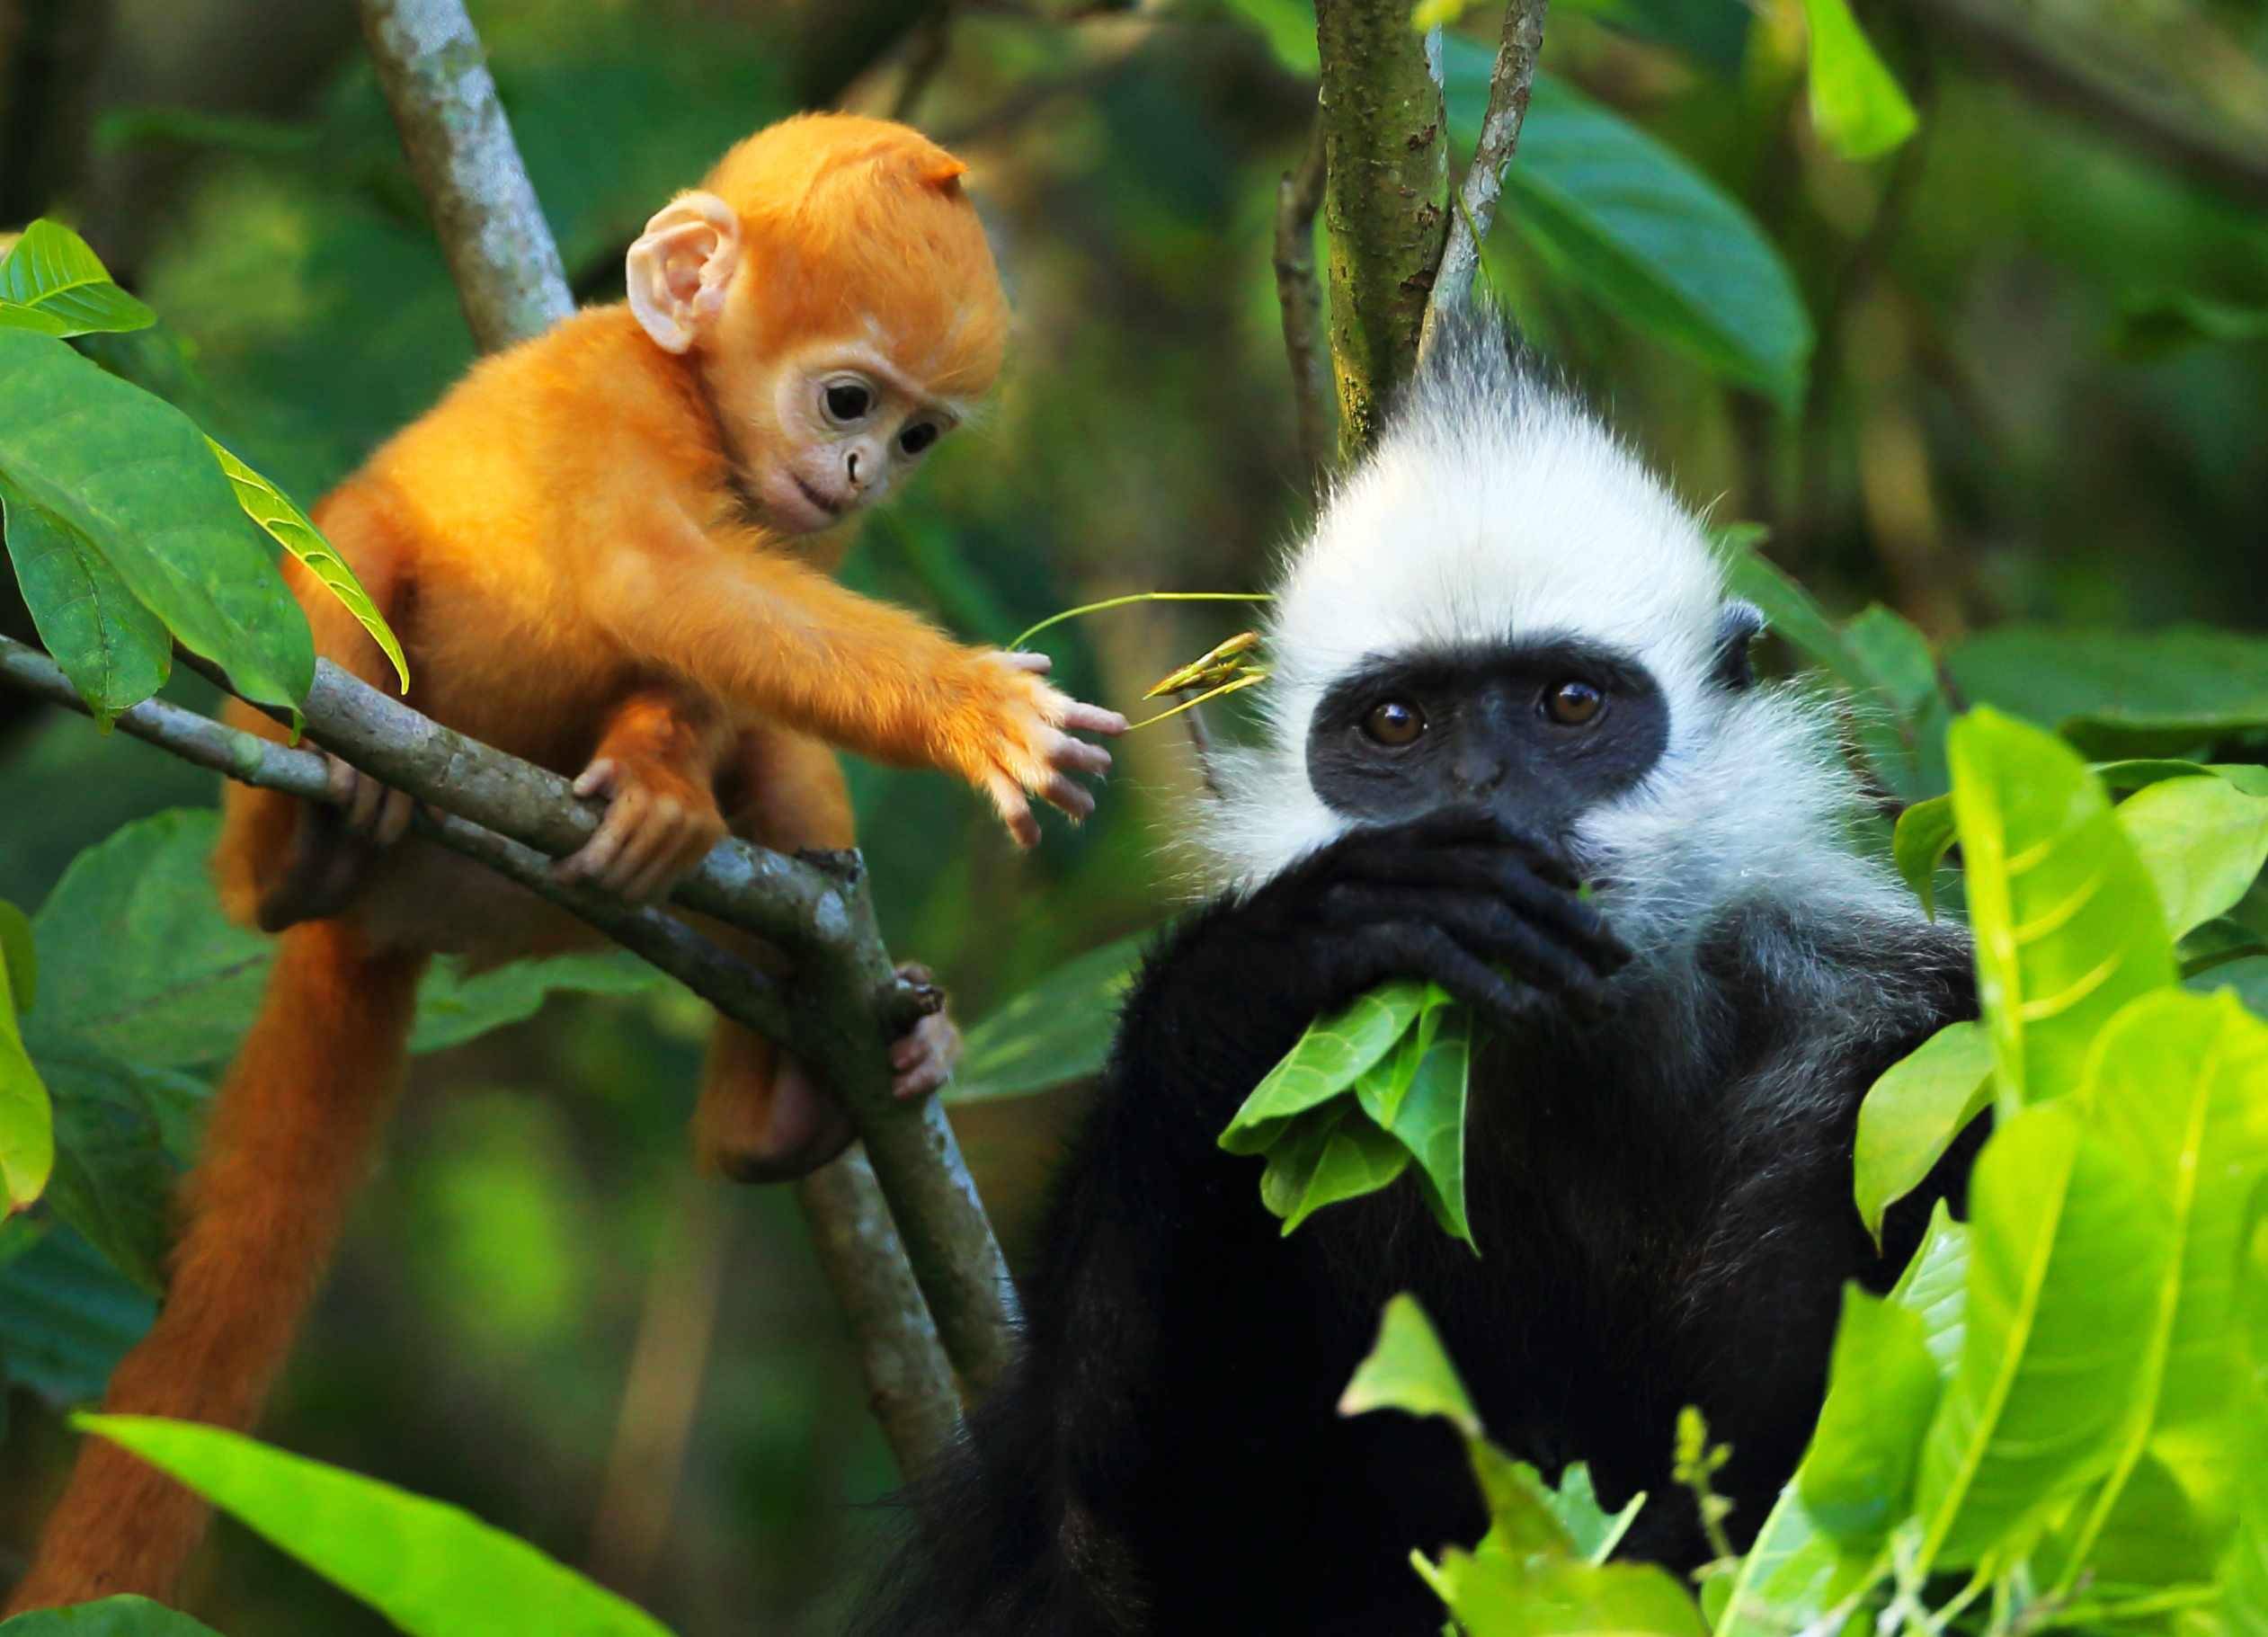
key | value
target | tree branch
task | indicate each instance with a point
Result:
(500, 253)
(1297, 196)
(1385, 199)
(2057, 76)
(1508, 85)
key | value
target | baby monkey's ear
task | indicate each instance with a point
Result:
(681, 267)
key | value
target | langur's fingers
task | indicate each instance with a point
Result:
(907, 1052)
(394, 817)
(1015, 813)
(921, 1080)
(362, 812)
(342, 777)
(1077, 756)
(1093, 719)
(597, 779)
(1074, 799)
(1024, 659)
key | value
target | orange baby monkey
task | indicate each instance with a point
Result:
(609, 551)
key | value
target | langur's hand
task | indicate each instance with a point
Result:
(922, 1059)
(1015, 741)
(659, 825)
(368, 811)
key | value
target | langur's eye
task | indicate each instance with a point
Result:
(848, 402)
(917, 437)
(1394, 722)
(1573, 704)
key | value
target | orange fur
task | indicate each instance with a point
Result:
(566, 548)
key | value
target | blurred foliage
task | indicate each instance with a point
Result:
(2003, 380)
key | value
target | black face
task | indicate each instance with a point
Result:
(1540, 732)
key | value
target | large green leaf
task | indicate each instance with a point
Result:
(1793, 1577)
(1494, 1594)
(115, 651)
(2067, 926)
(2203, 841)
(19, 957)
(2179, 1086)
(1855, 102)
(1628, 221)
(122, 1133)
(1428, 1120)
(454, 1005)
(1935, 1286)
(1325, 1061)
(110, 1617)
(434, 1571)
(132, 474)
(1858, 1478)
(68, 1317)
(1913, 1113)
(290, 527)
(53, 283)
(1056, 1031)
(27, 1119)
(1336, 1154)
(2067, 1253)
(2117, 692)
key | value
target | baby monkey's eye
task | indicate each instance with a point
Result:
(1394, 722)
(1573, 704)
(917, 437)
(848, 400)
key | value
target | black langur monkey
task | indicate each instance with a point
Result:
(1505, 664)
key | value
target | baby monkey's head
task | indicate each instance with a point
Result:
(831, 283)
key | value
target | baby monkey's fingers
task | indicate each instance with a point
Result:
(1069, 755)
(1015, 810)
(1093, 719)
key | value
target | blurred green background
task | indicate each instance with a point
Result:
(2027, 380)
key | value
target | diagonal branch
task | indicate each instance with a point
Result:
(1508, 85)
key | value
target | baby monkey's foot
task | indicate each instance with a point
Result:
(659, 824)
(922, 1059)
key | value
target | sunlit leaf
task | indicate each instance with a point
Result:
(1324, 1061)
(1935, 1286)
(19, 957)
(1497, 1595)
(434, 1571)
(1858, 1478)
(2068, 1252)
(1409, 1370)
(2067, 926)
(1855, 102)
(1056, 1031)
(1792, 1577)
(53, 283)
(1430, 1119)
(1633, 225)
(110, 1617)
(288, 526)
(27, 1121)
(1913, 1114)
(132, 476)
(2203, 841)
(116, 652)
(1925, 834)
(1346, 1158)
(2114, 693)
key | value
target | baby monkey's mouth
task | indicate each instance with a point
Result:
(827, 503)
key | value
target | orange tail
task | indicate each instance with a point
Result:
(290, 1138)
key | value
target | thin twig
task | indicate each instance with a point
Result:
(2054, 74)
(1300, 298)
(932, 41)
(501, 255)
(1510, 83)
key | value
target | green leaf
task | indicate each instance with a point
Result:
(1595, 1531)
(116, 652)
(1430, 1120)
(2203, 841)
(1629, 222)
(1925, 833)
(1495, 1595)
(1324, 1061)
(121, 1135)
(1429, 14)
(68, 1317)
(2179, 1086)
(1894, 657)
(2067, 1252)
(2066, 923)
(110, 1617)
(1289, 28)
(454, 1005)
(1790, 613)
(1914, 1112)
(1858, 1478)
(288, 526)
(434, 1571)
(1352, 1158)
(19, 957)
(1855, 103)
(2119, 693)
(27, 1119)
(53, 284)
(1793, 1577)
(1409, 1370)
(1935, 1286)
(131, 474)
(1056, 1031)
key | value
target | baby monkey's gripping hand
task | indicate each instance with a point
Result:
(1009, 734)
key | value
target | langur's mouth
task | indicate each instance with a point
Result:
(831, 507)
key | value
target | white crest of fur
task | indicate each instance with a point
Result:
(1497, 510)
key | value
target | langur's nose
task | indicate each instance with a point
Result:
(1477, 775)
(850, 468)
